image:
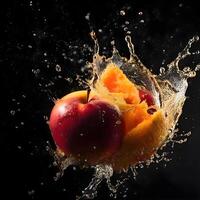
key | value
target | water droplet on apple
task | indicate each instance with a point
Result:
(118, 122)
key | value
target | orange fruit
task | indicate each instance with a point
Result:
(144, 131)
(116, 82)
(141, 142)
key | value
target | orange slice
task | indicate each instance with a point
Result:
(145, 132)
(116, 81)
(141, 142)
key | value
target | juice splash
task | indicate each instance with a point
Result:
(168, 89)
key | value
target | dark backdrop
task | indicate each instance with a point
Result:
(38, 35)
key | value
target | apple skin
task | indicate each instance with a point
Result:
(91, 131)
(145, 95)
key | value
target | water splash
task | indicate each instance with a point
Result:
(168, 88)
(101, 172)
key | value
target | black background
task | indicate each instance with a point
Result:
(29, 31)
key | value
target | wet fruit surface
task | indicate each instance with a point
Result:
(145, 126)
(117, 83)
(96, 127)
(146, 96)
(90, 131)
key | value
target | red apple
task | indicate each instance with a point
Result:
(91, 130)
(145, 95)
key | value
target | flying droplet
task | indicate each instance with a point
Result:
(12, 112)
(87, 17)
(58, 68)
(122, 12)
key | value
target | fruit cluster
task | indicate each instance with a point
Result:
(116, 123)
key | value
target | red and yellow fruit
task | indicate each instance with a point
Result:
(89, 130)
(118, 124)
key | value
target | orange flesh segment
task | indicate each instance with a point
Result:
(141, 142)
(135, 116)
(144, 132)
(116, 82)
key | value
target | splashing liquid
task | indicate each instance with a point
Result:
(168, 89)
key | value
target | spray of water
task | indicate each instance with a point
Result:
(168, 87)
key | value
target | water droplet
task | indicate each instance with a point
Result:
(162, 70)
(186, 69)
(36, 71)
(45, 118)
(127, 22)
(12, 112)
(87, 17)
(125, 29)
(118, 122)
(122, 12)
(64, 189)
(70, 80)
(31, 192)
(163, 61)
(41, 183)
(58, 68)
(197, 68)
(19, 147)
(140, 13)
(180, 5)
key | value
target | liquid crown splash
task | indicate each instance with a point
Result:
(168, 89)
